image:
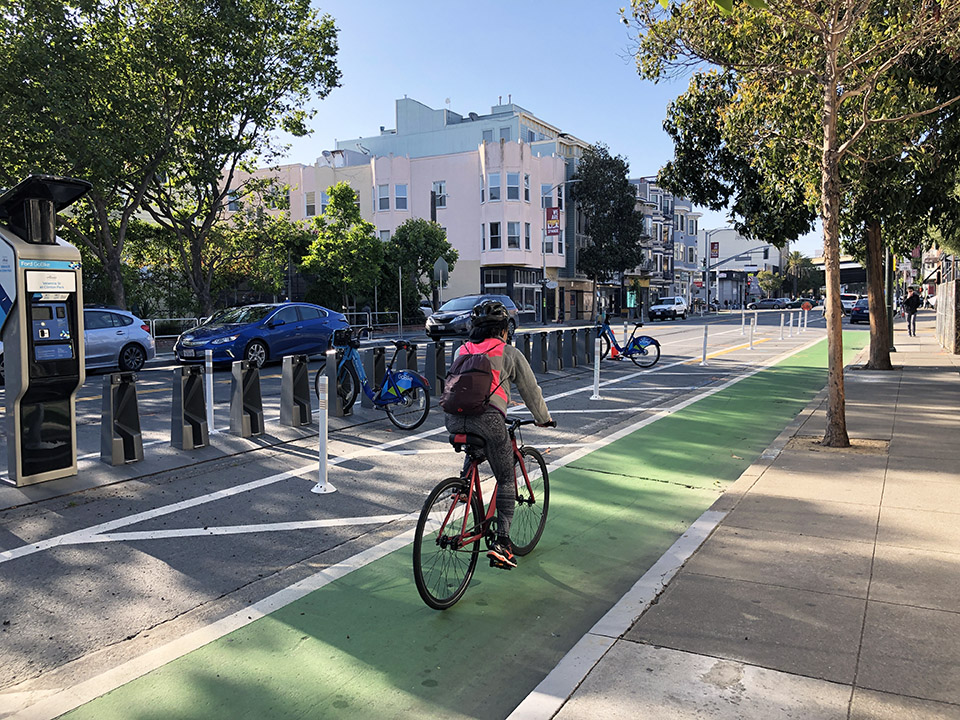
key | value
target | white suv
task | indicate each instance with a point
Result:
(848, 300)
(669, 307)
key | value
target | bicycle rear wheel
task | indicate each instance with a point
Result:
(530, 515)
(604, 347)
(644, 351)
(348, 384)
(442, 565)
(410, 413)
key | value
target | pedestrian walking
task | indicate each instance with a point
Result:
(911, 304)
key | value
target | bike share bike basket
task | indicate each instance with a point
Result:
(342, 337)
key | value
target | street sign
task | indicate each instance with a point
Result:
(552, 285)
(441, 271)
(714, 249)
(751, 268)
(698, 283)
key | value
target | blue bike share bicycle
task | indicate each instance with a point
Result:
(643, 350)
(403, 394)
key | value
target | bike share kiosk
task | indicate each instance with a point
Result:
(41, 315)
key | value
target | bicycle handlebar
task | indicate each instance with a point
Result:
(514, 424)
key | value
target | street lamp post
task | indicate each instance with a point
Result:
(543, 247)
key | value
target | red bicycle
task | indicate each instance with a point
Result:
(453, 520)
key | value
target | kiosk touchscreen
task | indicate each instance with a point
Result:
(41, 301)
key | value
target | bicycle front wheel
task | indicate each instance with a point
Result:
(604, 347)
(644, 351)
(442, 562)
(412, 410)
(533, 501)
(348, 385)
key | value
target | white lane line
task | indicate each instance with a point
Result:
(80, 535)
(70, 698)
(241, 529)
(595, 411)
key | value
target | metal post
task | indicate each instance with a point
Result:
(322, 487)
(781, 324)
(703, 360)
(208, 391)
(753, 327)
(597, 350)
(400, 307)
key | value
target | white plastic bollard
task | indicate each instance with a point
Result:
(806, 318)
(208, 390)
(743, 316)
(703, 359)
(753, 327)
(790, 332)
(624, 333)
(781, 325)
(597, 349)
(322, 487)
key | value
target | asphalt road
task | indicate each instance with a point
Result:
(105, 575)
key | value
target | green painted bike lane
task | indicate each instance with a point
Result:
(366, 646)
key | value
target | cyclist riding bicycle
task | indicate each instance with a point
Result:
(488, 337)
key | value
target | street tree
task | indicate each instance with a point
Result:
(413, 250)
(88, 86)
(346, 255)
(262, 62)
(605, 196)
(837, 59)
(798, 266)
(769, 282)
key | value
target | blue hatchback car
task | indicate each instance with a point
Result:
(260, 333)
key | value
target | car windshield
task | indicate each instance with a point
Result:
(861, 303)
(666, 301)
(463, 303)
(240, 315)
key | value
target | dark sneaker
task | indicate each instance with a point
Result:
(501, 554)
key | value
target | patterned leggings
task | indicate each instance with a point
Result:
(499, 452)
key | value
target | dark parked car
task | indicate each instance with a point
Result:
(860, 312)
(453, 317)
(260, 333)
(767, 304)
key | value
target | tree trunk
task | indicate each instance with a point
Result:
(115, 275)
(835, 434)
(879, 328)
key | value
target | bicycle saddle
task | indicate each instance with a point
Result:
(404, 345)
(458, 440)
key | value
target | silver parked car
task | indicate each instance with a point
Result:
(112, 338)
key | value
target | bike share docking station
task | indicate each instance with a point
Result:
(120, 438)
(295, 392)
(188, 417)
(41, 304)
(246, 405)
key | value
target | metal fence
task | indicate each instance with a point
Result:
(379, 321)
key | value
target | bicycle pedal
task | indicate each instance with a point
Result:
(500, 565)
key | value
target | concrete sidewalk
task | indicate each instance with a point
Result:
(829, 588)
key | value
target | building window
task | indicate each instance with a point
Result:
(384, 236)
(526, 188)
(560, 196)
(494, 278)
(324, 201)
(494, 236)
(546, 199)
(440, 190)
(692, 227)
(488, 136)
(483, 236)
(233, 205)
(691, 255)
(513, 186)
(547, 244)
(531, 136)
(383, 192)
(505, 134)
(766, 253)
(400, 193)
(494, 188)
(310, 204)
(526, 236)
(560, 243)
(513, 235)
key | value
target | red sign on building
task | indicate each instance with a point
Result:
(553, 221)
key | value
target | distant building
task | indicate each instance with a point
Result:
(733, 271)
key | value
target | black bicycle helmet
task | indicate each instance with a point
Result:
(489, 312)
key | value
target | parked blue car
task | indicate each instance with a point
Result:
(261, 333)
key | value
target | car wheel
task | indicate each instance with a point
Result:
(256, 354)
(132, 358)
(683, 316)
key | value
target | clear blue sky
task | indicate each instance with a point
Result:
(568, 62)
